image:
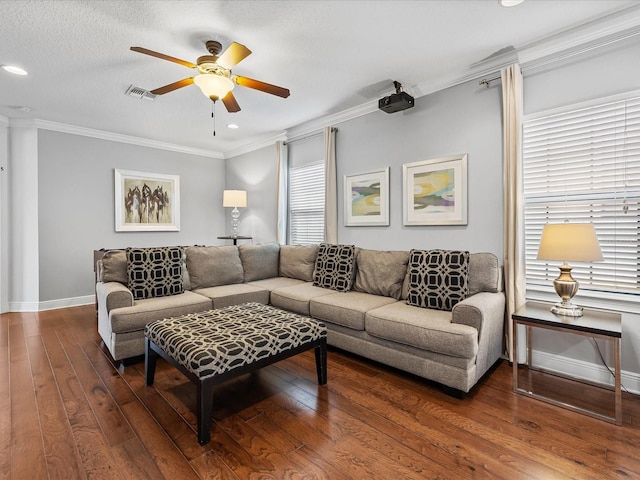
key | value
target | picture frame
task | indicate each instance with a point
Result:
(146, 201)
(366, 199)
(435, 191)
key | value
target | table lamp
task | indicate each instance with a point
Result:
(235, 199)
(575, 242)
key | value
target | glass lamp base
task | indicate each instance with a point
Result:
(235, 214)
(567, 309)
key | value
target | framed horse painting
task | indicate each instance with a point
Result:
(146, 201)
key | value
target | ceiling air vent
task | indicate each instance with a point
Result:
(139, 92)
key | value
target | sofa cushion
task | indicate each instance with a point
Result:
(260, 261)
(438, 279)
(225, 295)
(298, 261)
(334, 267)
(134, 318)
(276, 282)
(213, 266)
(484, 273)
(423, 328)
(114, 267)
(381, 272)
(346, 308)
(154, 272)
(297, 297)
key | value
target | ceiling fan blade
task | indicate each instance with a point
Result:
(173, 86)
(262, 86)
(230, 103)
(233, 55)
(163, 56)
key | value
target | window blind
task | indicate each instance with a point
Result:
(306, 204)
(583, 165)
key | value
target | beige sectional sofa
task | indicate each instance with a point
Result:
(437, 314)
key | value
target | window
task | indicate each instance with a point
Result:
(306, 204)
(582, 164)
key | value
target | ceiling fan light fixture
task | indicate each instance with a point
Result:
(213, 86)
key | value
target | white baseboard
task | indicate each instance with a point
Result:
(51, 304)
(585, 370)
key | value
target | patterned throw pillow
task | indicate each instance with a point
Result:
(154, 272)
(334, 267)
(438, 279)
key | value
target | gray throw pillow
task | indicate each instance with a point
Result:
(213, 266)
(484, 273)
(114, 266)
(154, 272)
(186, 279)
(438, 279)
(381, 272)
(298, 261)
(335, 267)
(260, 261)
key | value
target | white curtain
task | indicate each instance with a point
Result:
(282, 192)
(330, 193)
(514, 266)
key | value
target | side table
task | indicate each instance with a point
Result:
(554, 387)
(235, 239)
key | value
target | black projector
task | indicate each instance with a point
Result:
(396, 102)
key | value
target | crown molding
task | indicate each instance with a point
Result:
(612, 28)
(312, 126)
(607, 30)
(114, 137)
(607, 27)
(266, 141)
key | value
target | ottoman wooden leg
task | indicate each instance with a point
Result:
(205, 410)
(321, 362)
(150, 357)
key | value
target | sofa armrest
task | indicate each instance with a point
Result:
(110, 295)
(485, 312)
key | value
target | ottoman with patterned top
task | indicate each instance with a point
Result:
(213, 346)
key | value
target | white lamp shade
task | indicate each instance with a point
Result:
(234, 198)
(569, 242)
(213, 86)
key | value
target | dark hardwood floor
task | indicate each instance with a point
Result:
(66, 412)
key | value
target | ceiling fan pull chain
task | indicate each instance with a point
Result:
(213, 115)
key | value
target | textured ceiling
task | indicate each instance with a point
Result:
(332, 55)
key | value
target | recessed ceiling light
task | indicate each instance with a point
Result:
(232, 125)
(13, 69)
(510, 3)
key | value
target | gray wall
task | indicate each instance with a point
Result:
(603, 72)
(76, 205)
(255, 172)
(461, 119)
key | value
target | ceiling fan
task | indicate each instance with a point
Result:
(214, 74)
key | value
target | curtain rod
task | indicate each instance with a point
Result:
(310, 135)
(487, 81)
